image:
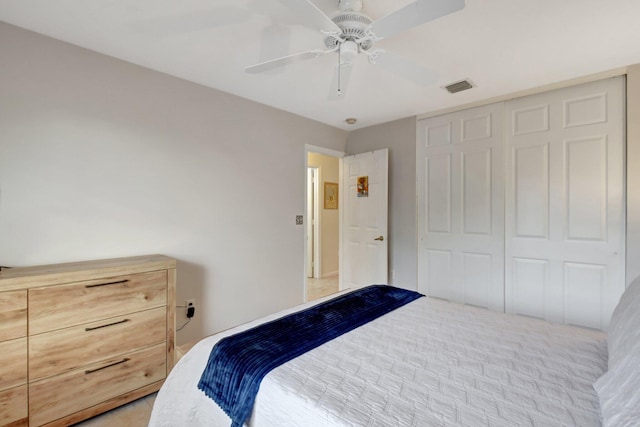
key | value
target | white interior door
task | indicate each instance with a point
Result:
(461, 206)
(363, 258)
(565, 204)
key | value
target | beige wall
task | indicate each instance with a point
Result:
(100, 158)
(329, 171)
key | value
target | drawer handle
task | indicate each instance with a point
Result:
(91, 371)
(107, 284)
(108, 324)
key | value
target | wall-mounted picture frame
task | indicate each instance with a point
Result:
(363, 186)
(331, 195)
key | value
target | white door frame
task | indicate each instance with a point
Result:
(327, 152)
(311, 228)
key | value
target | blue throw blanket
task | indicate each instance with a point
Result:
(238, 363)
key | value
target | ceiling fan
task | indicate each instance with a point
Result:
(351, 32)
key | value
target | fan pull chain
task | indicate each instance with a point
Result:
(339, 69)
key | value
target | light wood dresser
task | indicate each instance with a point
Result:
(78, 339)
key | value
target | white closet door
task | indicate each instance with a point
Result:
(461, 206)
(565, 204)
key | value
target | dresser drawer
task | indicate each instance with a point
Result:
(61, 306)
(59, 396)
(13, 363)
(13, 315)
(64, 349)
(13, 406)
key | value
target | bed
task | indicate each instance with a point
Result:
(436, 363)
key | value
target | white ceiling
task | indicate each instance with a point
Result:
(503, 46)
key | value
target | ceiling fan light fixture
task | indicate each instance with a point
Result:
(348, 51)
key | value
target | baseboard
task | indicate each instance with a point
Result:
(330, 275)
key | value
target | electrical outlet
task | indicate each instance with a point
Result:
(299, 220)
(190, 309)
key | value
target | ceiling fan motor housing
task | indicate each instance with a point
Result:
(354, 28)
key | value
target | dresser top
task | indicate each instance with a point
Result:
(52, 274)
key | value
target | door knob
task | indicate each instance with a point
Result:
(379, 238)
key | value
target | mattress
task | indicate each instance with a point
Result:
(429, 363)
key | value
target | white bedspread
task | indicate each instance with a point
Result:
(429, 363)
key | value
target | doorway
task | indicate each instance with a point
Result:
(322, 230)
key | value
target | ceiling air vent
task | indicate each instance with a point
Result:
(459, 86)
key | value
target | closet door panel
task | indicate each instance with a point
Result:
(476, 192)
(477, 278)
(583, 284)
(438, 195)
(586, 185)
(530, 278)
(439, 271)
(564, 203)
(531, 119)
(531, 191)
(461, 207)
(439, 134)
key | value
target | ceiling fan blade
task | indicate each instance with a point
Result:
(285, 60)
(406, 69)
(316, 18)
(414, 14)
(340, 82)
